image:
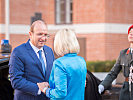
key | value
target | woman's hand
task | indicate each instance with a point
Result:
(43, 86)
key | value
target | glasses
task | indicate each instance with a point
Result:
(46, 35)
(43, 35)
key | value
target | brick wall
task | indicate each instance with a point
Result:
(17, 39)
(2, 11)
(114, 43)
(88, 11)
(98, 46)
(104, 46)
(22, 10)
(119, 11)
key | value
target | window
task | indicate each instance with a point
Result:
(37, 16)
(63, 11)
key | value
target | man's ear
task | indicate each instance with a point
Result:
(30, 33)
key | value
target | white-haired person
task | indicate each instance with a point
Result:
(68, 75)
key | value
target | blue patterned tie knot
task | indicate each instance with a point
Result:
(41, 60)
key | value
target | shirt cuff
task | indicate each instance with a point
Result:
(48, 92)
(39, 92)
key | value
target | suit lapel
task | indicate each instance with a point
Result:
(46, 56)
(48, 67)
(34, 56)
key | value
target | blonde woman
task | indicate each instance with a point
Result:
(67, 79)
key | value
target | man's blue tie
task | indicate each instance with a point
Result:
(42, 61)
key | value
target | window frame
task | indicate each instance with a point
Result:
(68, 12)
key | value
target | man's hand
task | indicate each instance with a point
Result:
(43, 86)
(100, 89)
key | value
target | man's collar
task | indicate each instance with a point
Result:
(35, 48)
(131, 49)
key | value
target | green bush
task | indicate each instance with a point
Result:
(100, 66)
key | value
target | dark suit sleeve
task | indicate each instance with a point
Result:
(112, 74)
(16, 71)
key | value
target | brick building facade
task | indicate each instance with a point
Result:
(100, 25)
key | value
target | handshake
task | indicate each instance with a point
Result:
(43, 86)
(100, 89)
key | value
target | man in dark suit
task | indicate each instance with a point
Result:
(31, 63)
(124, 62)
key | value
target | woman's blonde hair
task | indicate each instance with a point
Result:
(66, 42)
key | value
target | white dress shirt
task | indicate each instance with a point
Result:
(43, 55)
(36, 51)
